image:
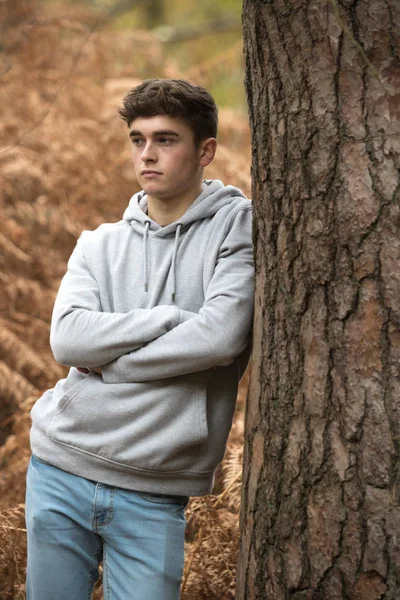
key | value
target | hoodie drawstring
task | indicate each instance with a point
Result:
(173, 264)
(145, 236)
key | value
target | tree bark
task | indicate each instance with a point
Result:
(321, 485)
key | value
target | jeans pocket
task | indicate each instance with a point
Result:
(165, 499)
(40, 461)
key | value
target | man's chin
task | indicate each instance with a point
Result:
(156, 192)
(151, 187)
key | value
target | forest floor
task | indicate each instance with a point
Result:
(65, 166)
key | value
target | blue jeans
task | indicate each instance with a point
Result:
(74, 523)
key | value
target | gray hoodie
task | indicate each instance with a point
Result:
(167, 313)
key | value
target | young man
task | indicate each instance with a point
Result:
(153, 316)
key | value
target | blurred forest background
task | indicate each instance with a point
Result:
(65, 166)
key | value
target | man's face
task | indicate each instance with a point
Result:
(167, 163)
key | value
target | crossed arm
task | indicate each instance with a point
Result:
(82, 334)
(165, 341)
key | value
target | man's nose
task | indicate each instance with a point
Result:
(148, 152)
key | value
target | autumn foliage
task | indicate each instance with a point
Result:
(65, 167)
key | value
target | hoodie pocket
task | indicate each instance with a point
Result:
(56, 399)
(156, 426)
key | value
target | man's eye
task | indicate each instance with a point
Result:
(136, 141)
(165, 141)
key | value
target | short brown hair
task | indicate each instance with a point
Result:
(176, 98)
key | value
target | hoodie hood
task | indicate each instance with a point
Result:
(214, 196)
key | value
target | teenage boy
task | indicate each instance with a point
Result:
(153, 316)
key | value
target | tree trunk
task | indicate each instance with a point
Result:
(321, 485)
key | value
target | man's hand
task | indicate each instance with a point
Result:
(86, 371)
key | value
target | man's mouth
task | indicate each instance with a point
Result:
(150, 172)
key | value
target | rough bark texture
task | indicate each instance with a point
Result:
(321, 487)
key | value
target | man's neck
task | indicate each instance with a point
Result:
(166, 211)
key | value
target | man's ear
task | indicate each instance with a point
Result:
(208, 148)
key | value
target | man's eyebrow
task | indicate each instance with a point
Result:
(169, 132)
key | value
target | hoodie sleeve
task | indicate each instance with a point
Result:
(82, 335)
(217, 334)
